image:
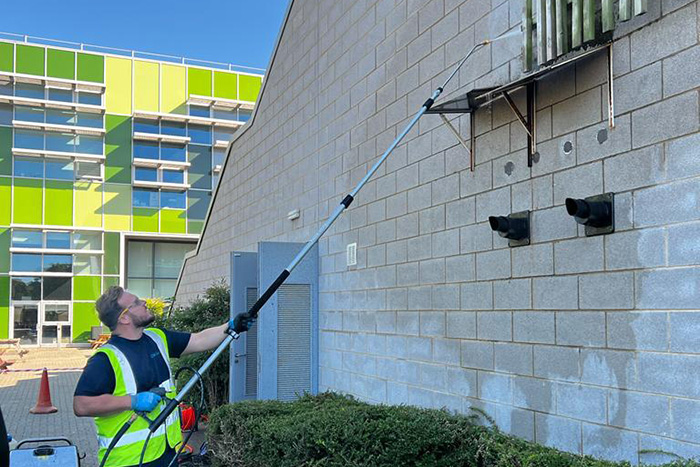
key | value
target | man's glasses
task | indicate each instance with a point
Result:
(137, 302)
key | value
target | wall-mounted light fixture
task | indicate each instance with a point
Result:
(596, 213)
(293, 214)
(515, 227)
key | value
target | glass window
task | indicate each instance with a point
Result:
(199, 133)
(173, 128)
(58, 263)
(5, 114)
(56, 312)
(26, 239)
(60, 117)
(58, 240)
(218, 157)
(90, 120)
(26, 288)
(57, 288)
(168, 259)
(173, 199)
(26, 315)
(146, 174)
(198, 204)
(90, 144)
(173, 152)
(26, 262)
(87, 264)
(62, 142)
(223, 134)
(32, 91)
(60, 95)
(173, 176)
(88, 169)
(145, 198)
(244, 115)
(153, 267)
(199, 172)
(30, 167)
(146, 126)
(140, 259)
(59, 169)
(145, 150)
(29, 114)
(87, 241)
(5, 88)
(199, 111)
(225, 114)
(29, 139)
(89, 98)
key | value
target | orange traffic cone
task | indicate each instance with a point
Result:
(43, 402)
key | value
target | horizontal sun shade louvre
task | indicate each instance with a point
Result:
(293, 341)
(251, 348)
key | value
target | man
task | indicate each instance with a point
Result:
(120, 377)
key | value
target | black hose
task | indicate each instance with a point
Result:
(117, 437)
(197, 410)
(143, 450)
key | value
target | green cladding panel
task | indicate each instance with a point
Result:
(59, 203)
(5, 150)
(91, 68)
(28, 201)
(5, 200)
(60, 63)
(4, 306)
(249, 87)
(225, 85)
(118, 149)
(199, 82)
(111, 262)
(7, 57)
(5, 236)
(173, 221)
(84, 317)
(109, 281)
(145, 220)
(86, 287)
(30, 60)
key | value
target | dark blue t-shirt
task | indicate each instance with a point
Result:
(144, 357)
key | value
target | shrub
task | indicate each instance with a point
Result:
(334, 430)
(210, 310)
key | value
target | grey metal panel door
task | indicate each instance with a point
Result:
(288, 335)
(244, 291)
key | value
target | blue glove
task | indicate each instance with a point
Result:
(241, 323)
(144, 401)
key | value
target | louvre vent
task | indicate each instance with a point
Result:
(352, 254)
(293, 340)
(251, 348)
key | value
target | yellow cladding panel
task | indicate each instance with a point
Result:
(117, 207)
(146, 86)
(174, 96)
(88, 204)
(118, 92)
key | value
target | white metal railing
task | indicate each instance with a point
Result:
(24, 38)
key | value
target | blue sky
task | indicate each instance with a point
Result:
(242, 32)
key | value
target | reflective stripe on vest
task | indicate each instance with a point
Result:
(128, 449)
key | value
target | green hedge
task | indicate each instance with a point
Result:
(333, 430)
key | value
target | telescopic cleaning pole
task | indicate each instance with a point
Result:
(253, 312)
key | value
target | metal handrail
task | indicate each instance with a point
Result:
(25, 38)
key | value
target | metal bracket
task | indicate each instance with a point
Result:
(461, 141)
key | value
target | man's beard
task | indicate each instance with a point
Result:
(143, 322)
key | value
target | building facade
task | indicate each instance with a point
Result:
(587, 343)
(107, 165)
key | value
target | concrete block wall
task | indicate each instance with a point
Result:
(587, 344)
